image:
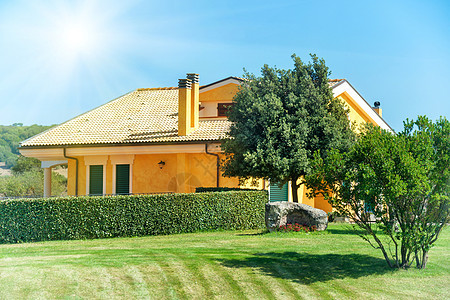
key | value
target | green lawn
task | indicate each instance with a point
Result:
(225, 265)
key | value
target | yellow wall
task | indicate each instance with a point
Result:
(181, 173)
(149, 177)
(223, 93)
(321, 203)
(356, 114)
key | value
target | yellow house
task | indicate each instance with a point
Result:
(155, 140)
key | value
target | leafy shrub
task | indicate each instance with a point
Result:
(114, 216)
(31, 184)
(219, 189)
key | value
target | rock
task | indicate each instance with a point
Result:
(282, 213)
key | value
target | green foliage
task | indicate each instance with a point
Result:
(31, 184)
(280, 119)
(219, 189)
(100, 217)
(11, 136)
(28, 184)
(26, 164)
(395, 184)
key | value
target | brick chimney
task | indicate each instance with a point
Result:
(184, 106)
(194, 100)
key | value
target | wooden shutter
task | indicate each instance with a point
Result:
(122, 179)
(277, 194)
(96, 180)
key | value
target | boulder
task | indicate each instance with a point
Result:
(282, 213)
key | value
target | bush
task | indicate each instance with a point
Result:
(31, 184)
(219, 189)
(396, 184)
(26, 220)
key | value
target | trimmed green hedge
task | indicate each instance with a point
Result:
(27, 220)
(219, 189)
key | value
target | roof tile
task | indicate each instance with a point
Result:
(148, 115)
(142, 116)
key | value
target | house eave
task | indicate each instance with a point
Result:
(120, 144)
(55, 152)
(345, 86)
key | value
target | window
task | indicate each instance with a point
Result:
(122, 179)
(95, 174)
(122, 170)
(222, 108)
(96, 180)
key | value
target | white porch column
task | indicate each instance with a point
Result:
(47, 182)
(47, 166)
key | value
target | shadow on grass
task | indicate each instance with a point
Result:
(346, 230)
(262, 232)
(309, 268)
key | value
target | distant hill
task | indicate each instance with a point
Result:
(11, 136)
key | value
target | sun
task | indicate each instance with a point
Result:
(66, 49)
(78, 38)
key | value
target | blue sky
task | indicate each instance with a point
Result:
(59, 59)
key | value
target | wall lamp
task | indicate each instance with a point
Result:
(161, 164)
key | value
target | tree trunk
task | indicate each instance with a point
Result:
(416, 255)
(380, 244)
(295, 187)
(424, 259)
(403, 251)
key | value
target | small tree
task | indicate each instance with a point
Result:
(280, 119)
(26, 164)
(392, 184)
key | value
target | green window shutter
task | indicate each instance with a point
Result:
(96, 180)
(277, 194)
(122, 179)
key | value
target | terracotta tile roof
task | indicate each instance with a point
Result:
(333, 82)
(142, 116)
(146, 115)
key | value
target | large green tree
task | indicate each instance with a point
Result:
(11, 136)
(280, 119)
(394, 184)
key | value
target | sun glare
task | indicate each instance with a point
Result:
(66, 48)
(75, 32)
(78, 39)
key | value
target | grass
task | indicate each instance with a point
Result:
(223, 265)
